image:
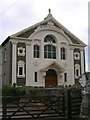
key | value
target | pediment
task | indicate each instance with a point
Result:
(53, 64)
(51, 23)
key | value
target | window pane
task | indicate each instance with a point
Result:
(49, 38)
(65, 77)
(20, 70)
(77, 72)
(53, 48)
(36, 51)
(35, 76)
(37, 54)
(49, 47)
(54, 55)
(63, 53)
(37, 48)
(63, 56)
(50, 52)
(45, 48)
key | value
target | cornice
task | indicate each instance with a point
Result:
(19, 39)
(78, 45)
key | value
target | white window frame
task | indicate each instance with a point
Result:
(47, 52)
(36, 52)
(63, 53)
(21, 64)
(23, 51)
(77, 67)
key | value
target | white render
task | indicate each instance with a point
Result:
(35, 69)
(40, 35)
(14, 58)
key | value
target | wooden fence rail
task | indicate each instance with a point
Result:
(74, 102)
(42, 106)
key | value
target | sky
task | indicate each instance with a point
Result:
(16, 15)
(89, 36)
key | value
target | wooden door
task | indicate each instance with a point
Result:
(50, 81)
(51, 78)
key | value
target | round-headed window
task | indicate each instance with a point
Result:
(49, 39)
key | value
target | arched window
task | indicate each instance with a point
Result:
(77, 70)
(50, 51)
(36, 51)
(49, 39)
(63, 53)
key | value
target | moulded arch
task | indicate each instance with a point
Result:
(51, 29)
(50, 36)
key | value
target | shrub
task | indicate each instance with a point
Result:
(10, 91)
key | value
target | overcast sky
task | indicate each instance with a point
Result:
(16, 15)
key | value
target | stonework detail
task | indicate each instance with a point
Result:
(21, 51)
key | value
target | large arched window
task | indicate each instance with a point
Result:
(50, 47)
(36, 51)
(63, 53)
(50, 51)
(49, 39)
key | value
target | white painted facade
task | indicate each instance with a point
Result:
(14, 60)
(38, 63)
(33, 70)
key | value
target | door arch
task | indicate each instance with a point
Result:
(51, 78)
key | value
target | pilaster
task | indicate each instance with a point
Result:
(71, 66)
(82, 61)
(14, 61)
(28, 60)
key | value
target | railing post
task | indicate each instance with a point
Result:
(64, 104)
(69, 104)
(4, 107)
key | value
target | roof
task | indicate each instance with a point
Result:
(25, 33)
(28, 31)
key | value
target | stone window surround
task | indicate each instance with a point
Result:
(77, 67)
(76, 55)
(23, 51)
(21, 64)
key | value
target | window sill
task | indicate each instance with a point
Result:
(21, 54)
(21, 76)
(76, 77)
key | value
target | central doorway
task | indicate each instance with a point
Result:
(51, 78)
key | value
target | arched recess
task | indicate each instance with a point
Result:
(51, 78)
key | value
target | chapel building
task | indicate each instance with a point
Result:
(45, 54)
